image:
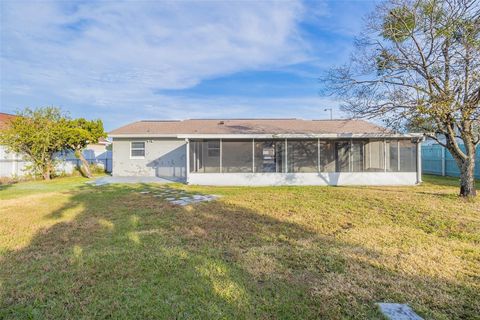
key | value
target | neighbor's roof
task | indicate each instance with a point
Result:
(198, 127)
(5, 118)
(102, 141)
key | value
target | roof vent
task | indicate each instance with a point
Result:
(221, 122)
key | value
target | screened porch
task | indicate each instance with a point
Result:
(302, 155)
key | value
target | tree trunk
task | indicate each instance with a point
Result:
(467, 178)
(466, 165)
(46, 174)
(85, 167)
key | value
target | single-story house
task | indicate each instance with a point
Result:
(267, 152)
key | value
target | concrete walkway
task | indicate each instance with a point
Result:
(110, 180)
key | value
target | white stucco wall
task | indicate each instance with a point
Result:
(164, 158)
(334, 178)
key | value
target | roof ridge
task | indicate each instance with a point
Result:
(167, 120)
(226, 119)
(230, 119)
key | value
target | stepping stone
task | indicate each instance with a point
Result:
(398, 311)
(184, 199)
(144, 192)
(181, 202)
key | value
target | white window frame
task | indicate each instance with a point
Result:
(219, 148)
(144, 149)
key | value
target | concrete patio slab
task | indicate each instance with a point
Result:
(178, 197)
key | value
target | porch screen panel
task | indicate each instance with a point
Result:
(408, 156)
(302, 155)
(211, 156)
(342, 156)
(269, 156)
(392, 156)
(327, 156)
(237, 156)
(194, 157)
(374, 156)
(205, 156)
(357, 156)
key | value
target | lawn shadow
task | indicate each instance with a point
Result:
(131, 255)
(5, 186)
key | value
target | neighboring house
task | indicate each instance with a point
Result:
(12, 164)
(267, 152)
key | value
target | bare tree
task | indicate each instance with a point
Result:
(417, 65)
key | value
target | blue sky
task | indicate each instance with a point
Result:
(131, 60)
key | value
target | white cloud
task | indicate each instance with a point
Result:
(111, 54)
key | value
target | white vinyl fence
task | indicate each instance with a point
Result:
(12, 165)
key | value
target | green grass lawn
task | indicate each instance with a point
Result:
(69, 250)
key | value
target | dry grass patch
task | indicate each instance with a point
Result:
(283, 252)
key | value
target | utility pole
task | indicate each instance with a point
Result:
(331, 112)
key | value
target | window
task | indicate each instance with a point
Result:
(302, 155)
(137, 150)
(269, 156)
(213, 148)
(237, 156)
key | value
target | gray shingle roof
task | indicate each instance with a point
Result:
(249, 126)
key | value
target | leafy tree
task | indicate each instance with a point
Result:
(37, 135)
(78, 133)
(417, 65)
